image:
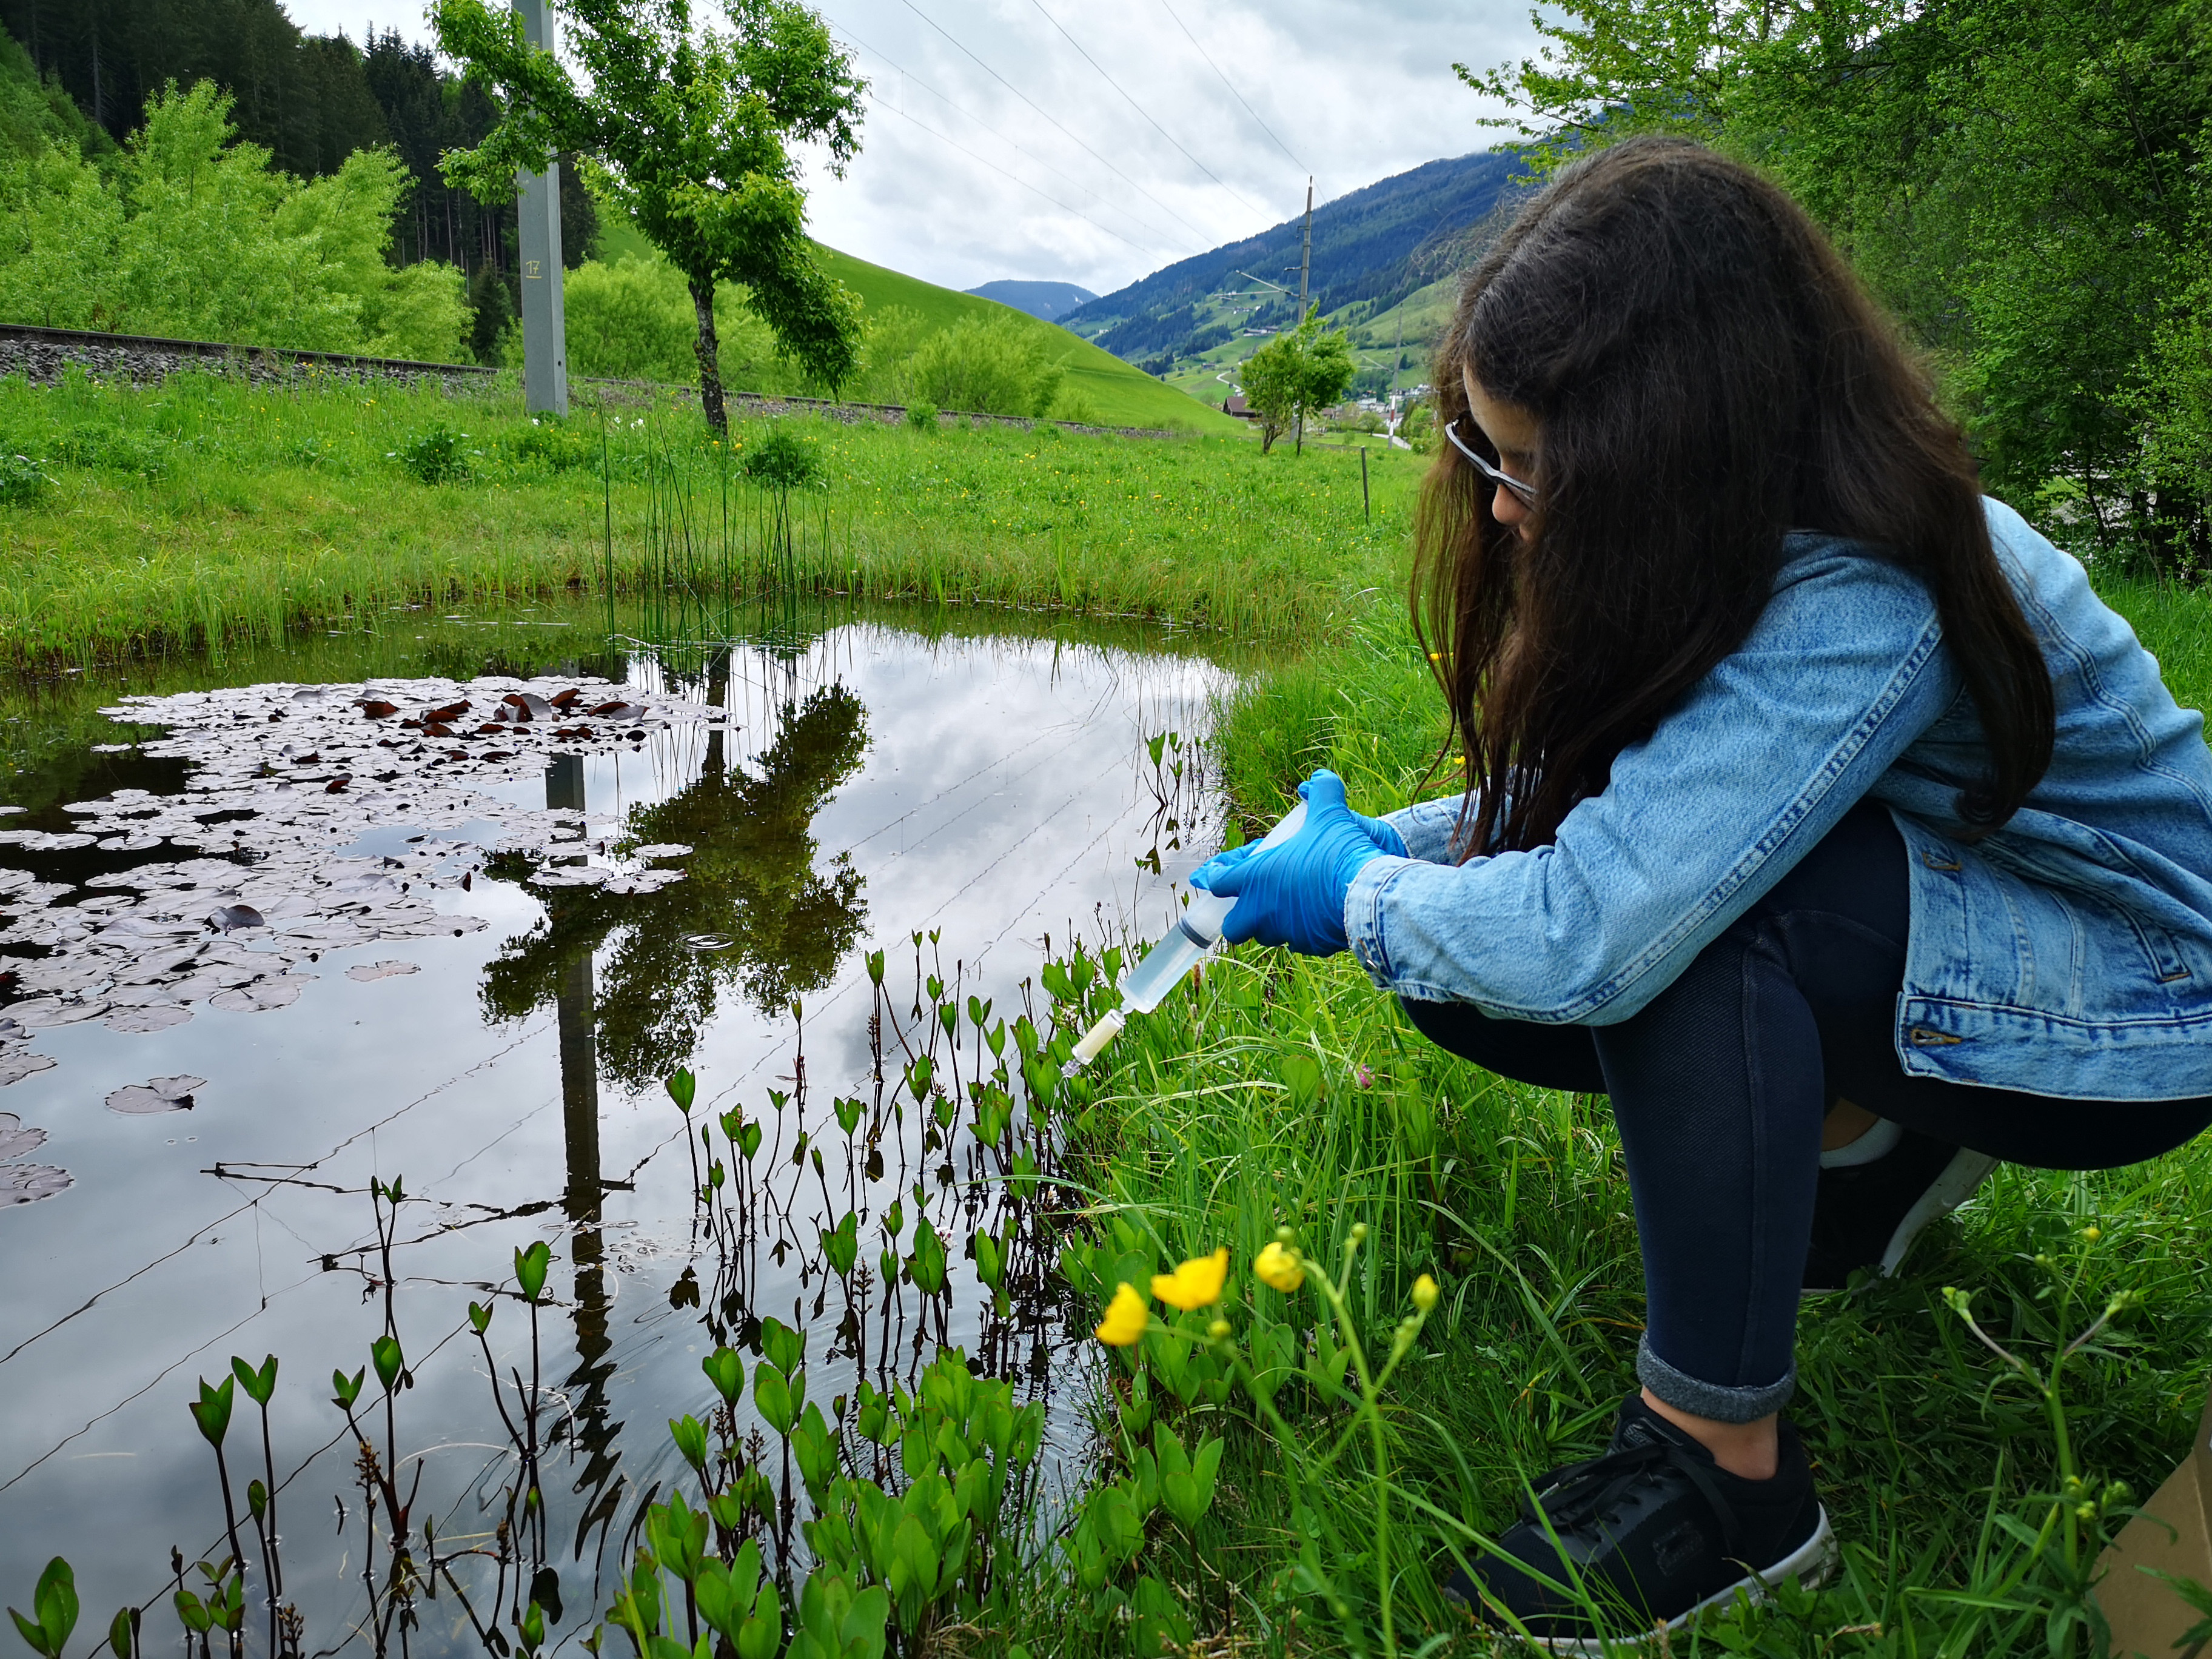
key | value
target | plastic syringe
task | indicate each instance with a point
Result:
(1195, 934)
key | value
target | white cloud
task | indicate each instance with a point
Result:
(964, 177)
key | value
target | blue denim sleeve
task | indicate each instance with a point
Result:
(1427, 828)
(1761, 758)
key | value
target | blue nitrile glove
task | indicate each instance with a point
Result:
(1293, 894)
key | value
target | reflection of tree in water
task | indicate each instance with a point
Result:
(751, 883)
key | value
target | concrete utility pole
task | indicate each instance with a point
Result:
(1305, 270)
(544, 326)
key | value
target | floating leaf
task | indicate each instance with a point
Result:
(13, 1068)
(161, 1094)
(366, 971)
(225, 918)
(277, 991)
(27, 1184)
(141, 1021)
(16, 1140)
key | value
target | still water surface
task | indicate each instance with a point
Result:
(473, 980)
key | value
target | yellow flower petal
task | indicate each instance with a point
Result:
(1279, 1267)
(1424, 1293)
(1196, 1283)
(1126, 1317)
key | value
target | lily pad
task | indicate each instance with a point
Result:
(27, 1184)
(161, 1094)
(366, 971)
(138, 1022)
(53, 1011)
(228, 916)
(13, 1068)
(662, 849)
(16, 1140)
(280, 991)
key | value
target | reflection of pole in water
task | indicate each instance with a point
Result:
(718, 696)
(593, 1434)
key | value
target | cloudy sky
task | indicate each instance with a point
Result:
(1094, 144)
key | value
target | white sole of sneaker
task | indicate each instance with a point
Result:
(1809, 1563)
(1966, 1171)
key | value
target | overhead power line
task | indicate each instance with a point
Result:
(1232, 85)
(1003, 174)
(1063, 132)
(1138, 107)
(1011, 143)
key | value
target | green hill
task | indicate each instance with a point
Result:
(1121, 393)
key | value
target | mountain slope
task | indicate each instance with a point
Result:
(1050, 300)
(1118, 393)
(1372, 247)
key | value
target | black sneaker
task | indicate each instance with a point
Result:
(1868, 1215)
(1655, 1531)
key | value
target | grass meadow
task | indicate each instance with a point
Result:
(1970, 1492)
(207, 509)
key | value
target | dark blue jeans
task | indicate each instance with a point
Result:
(1719, 1085)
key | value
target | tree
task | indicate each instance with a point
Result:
(691, 125)
(190, 233)
(1295, 375)
(2022, 181)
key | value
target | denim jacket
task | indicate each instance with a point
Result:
(2067, 954)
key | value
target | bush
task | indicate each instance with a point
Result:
(634, 321)
(780, 460)
(995, 366)
(434, 456)
(22, 480)
(630, 320)
(548, 443)
(1075, 406)
(922, 417)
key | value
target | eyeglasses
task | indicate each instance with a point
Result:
(1524, 493)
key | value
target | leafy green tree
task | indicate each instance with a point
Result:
(692, 125)
(1295, 375)
(2023, 182)
(193, 234)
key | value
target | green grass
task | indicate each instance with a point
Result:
(1279, 1092)
(205, 510)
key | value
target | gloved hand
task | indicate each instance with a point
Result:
(1293, 894)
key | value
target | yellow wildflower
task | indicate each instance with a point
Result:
(1126, 1317)
(1280, 1267)
(1196, 1283)
(1424, 1293)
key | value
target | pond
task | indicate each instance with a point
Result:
(329, 996)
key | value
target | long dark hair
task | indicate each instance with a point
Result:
(1707, 375)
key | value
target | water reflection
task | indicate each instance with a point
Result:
(864, 785)
(781, 926)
